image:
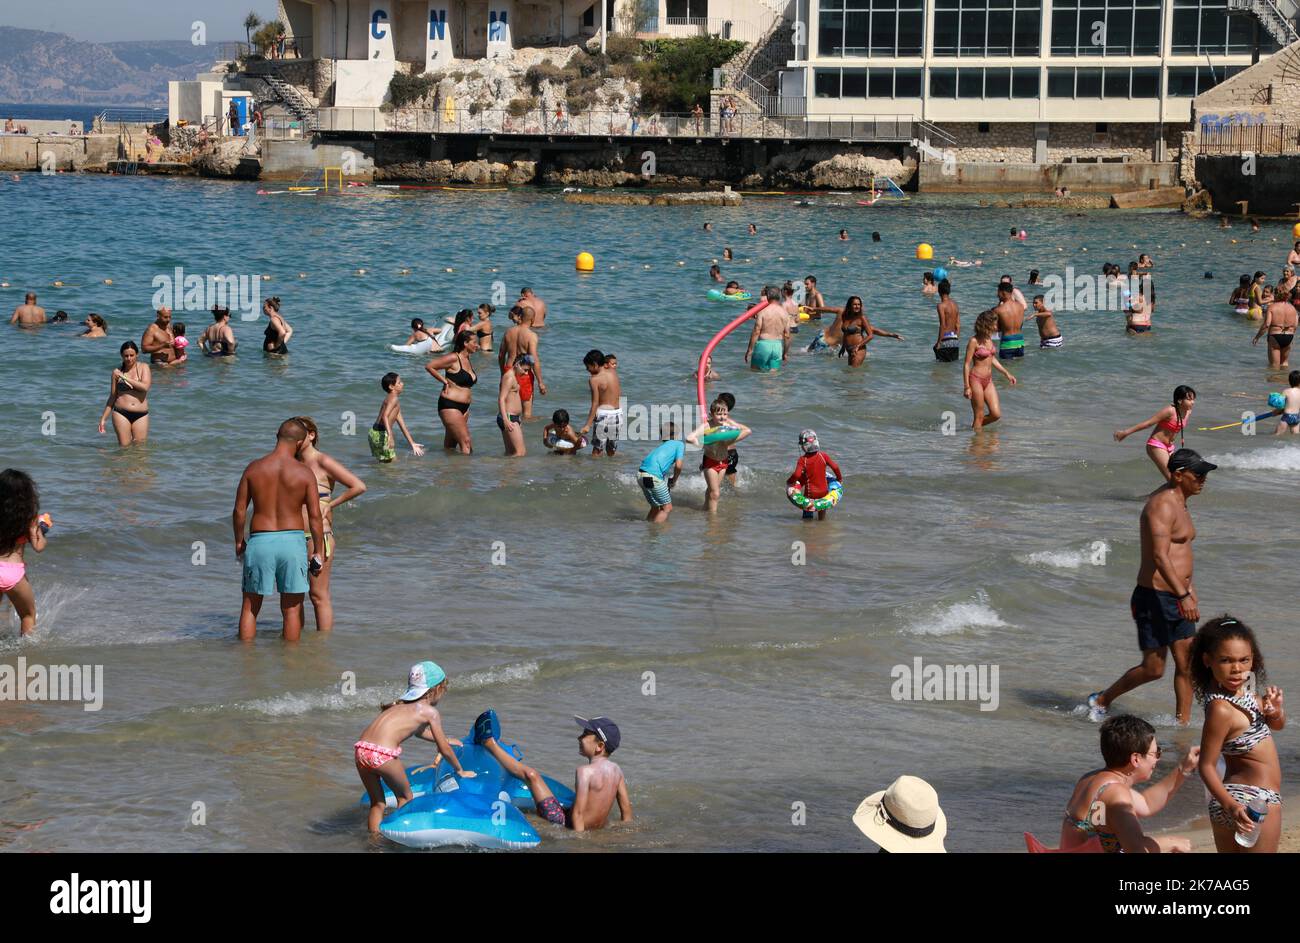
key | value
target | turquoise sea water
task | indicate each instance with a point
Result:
(772, 682)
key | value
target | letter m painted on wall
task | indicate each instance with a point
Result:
(438, 24)
(497, 22)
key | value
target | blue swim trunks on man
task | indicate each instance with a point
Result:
(275, 561)
(767, 355)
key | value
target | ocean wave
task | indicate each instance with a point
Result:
(294, 704)
(1284, 458)
(975, 613)
(1092, 555)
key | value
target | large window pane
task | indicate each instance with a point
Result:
(997, 83)
(1060, 83)
(853, 83)
(830, 35)
(881, 84)
(907, 83)
(857, 26)
(946, 31)
(973, 34)
(1087, 83)
(826, 83)
(1024, 83)
(911, 32)
(1146, 83)
(970, 83)
(1115, 83)
(1027, 32)
(943, 83)
(1182, 82)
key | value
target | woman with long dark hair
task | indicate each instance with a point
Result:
(128, 388)
(457, 377)
(1165, 425)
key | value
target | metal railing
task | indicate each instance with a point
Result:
(1250, 139)
(539, 123)
(131, 115)
(705, 26)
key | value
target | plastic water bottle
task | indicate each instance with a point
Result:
(1257, 809)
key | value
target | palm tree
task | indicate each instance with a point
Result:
(251, 22)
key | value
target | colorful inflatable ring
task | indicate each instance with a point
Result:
(803, 503)
(720, 434)
(714, 294)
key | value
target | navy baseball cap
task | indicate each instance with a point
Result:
(1189, 460)
(602, 727)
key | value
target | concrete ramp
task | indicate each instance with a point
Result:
(1146, 199)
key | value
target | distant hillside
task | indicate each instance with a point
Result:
(37, 67)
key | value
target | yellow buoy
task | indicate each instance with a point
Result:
(925, 251)
(1295, 230)
(585, 262)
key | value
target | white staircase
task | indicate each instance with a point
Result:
(1276, 16)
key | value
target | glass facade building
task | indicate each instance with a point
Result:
(1028, 60)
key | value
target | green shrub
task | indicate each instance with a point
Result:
(406, 89)
(519, 107)
(679, 72)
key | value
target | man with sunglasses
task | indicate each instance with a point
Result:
(1164, 603)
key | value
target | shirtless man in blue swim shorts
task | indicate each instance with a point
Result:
(279, 487)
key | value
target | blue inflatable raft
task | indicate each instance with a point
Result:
(483, 811)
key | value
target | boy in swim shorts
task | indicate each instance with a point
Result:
(716, 458)
(606, 414)
(733, 457)
(597, 786)
(560, 436)
(658, 473)
(1290, 411)
(381, 433)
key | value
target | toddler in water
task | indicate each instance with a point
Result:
(377, 751)
(810, 473)
(179, 343)
(560, 436)
(20, 523)
(1290, 411)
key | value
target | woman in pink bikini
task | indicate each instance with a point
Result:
(1165, 425)
(977, 372)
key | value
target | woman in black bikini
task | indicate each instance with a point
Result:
(127, 389)
(484, 327)
(276, 338)
(1280, 325)
(218, 340)
(456, 378)
(855, 330)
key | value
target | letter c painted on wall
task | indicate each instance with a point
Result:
(374, 24)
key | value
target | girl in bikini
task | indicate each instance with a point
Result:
(1227, 674)
(484, 327)
(328, 471)
(127, 389)
(21, 523)
(456, 379)
(414, 714)
(1257, 286)
(1240, 297)
(977, 372)
(1169, 422)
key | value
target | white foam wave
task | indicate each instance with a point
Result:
(975, 613)
(294, 704)
(1093, 555)
(1285, 458)
(692, 482)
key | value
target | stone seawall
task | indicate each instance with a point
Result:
(1272, 190)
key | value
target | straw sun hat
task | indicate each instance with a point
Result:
(903, 818)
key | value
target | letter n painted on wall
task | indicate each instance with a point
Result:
(437, 40)
(380, 38)
(498, 37)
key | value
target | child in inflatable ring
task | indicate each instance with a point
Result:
(809, 486)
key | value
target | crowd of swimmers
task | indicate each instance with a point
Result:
(283, 533)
